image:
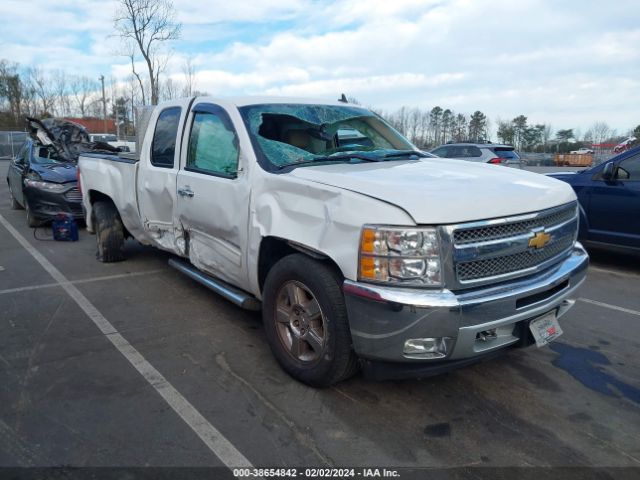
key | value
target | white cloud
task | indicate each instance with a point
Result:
(568, 63)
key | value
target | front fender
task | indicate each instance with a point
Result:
(319, 217)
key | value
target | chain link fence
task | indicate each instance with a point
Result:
(10, 143)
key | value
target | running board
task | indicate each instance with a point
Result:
(234, 295)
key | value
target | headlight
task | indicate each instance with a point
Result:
(407, 256)
(52, 187)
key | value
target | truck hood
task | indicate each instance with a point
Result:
(441, 191)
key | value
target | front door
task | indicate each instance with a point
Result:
(213, 194)
(614, 206)
(16, 172)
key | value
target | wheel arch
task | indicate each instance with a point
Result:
(273, 249)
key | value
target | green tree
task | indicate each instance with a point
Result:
(636, 132)
(519, 125)
(505, 132)
(477, 126)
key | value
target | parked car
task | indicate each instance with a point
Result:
(582, 151)
(625, 145)
(43, 184)
(111, 139)
(609, 196)
(359, 254)
(42, 177)
(480, 152)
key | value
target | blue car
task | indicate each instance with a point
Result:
(609, 196)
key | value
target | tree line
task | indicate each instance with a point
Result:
(429, 128)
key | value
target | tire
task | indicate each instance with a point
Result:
(32, 222)
(14, 203)
(109, 232)
(311, 341)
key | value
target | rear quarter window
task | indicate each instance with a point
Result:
(506, 153)
(467, 151)
(163, 148)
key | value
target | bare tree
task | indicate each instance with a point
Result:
(14, 92)
(149, 24)
(136, 75)
(43, 90)
(600, 131)
(169, 89)
(60, 85)
(82, 88)
(189, 77)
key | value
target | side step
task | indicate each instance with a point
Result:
(233, 294)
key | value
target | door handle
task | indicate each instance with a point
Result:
(186, 192)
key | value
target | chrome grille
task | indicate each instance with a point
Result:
(492, 267)
(73, 195)
(498, 249)
(505, 230)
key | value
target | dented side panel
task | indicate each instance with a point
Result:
(320, 217)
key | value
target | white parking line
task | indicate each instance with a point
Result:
(608, 305)
(84, 280)
(212, 438)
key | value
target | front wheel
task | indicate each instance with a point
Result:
(14, 203)
(32, 221)
(306, 323)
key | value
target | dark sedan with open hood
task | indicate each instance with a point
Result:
(43, 175)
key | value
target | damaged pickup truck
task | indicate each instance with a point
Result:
(360, 253)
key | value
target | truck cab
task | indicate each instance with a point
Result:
(360, 250)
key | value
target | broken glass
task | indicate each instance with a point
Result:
(291, 134)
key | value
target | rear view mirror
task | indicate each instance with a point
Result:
(607, 173)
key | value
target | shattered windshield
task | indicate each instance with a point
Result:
(298, 134)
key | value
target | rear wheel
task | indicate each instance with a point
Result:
(109, 232)
(306, 323)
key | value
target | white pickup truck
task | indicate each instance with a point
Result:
(360, 250)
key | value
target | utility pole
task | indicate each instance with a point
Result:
(104, 105)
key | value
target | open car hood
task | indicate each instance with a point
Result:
(67, 138)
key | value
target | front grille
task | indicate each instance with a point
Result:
(492, 267)
(500, 248)
(73, 195)
(505, 230)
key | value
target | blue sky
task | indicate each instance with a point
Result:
(568, 63)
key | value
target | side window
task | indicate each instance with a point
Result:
(213, 144)
(629, 169)
(163, 147)
(23, 156)
(475, 152)
(441, 152)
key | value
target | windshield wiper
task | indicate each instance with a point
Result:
(331, 158)
(406, 153)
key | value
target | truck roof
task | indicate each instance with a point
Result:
(243, 101)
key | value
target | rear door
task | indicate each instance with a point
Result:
(614, 206)
(213, 192)
(157, 174)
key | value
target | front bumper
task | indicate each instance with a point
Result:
(45, 205)
(383, 318)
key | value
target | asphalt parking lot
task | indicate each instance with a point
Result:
(70, 397)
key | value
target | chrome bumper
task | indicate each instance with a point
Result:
(383, 318)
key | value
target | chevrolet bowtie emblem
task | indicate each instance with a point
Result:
(539, 240)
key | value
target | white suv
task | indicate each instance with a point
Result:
(480, 152)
